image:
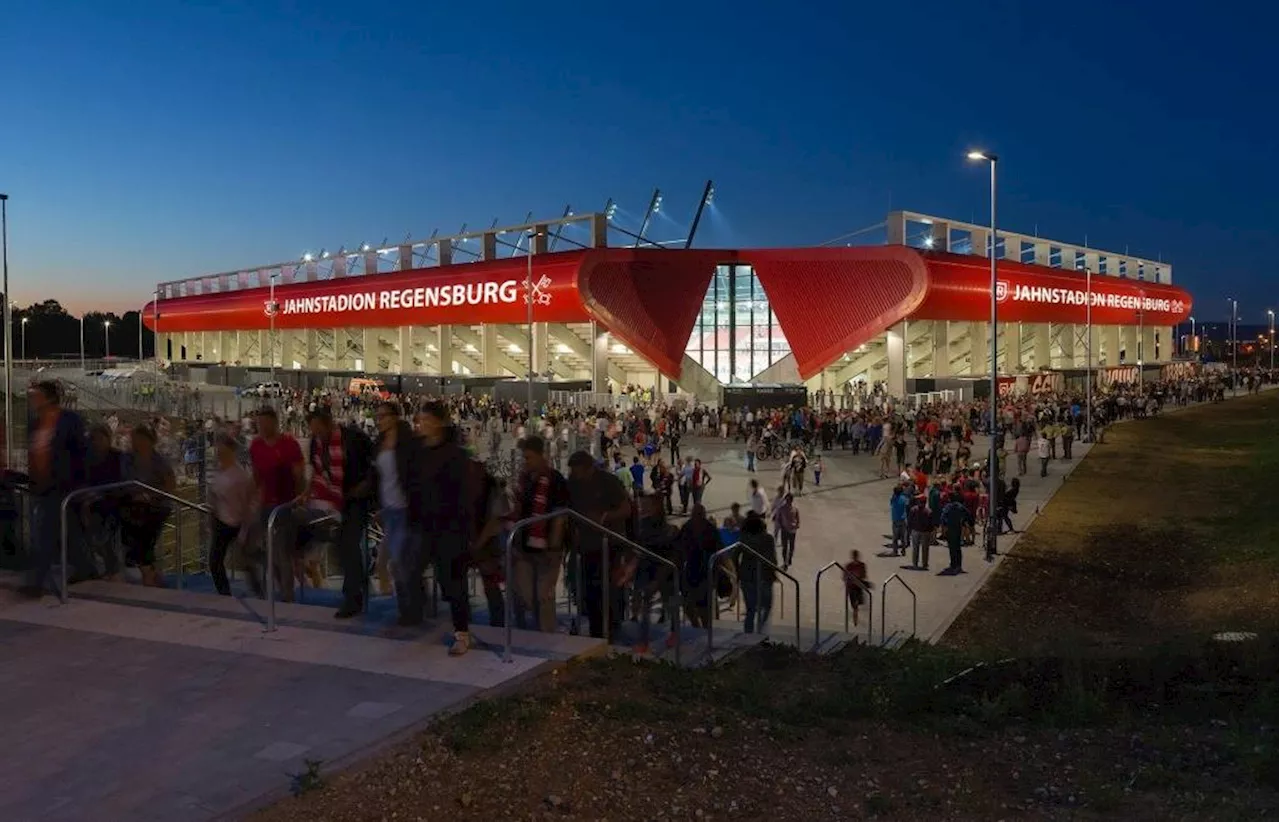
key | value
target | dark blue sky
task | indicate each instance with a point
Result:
(152, 140)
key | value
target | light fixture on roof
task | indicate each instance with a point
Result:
(928, 242)
(366, 247)
(324, 255)
(611, 211)
(657, 204)
(306, 258)
(711, 195)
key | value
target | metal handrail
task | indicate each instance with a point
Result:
(712, 564)
(117, 486)
(271, 554)
(509, 569)
(884, 597)
(817, 603)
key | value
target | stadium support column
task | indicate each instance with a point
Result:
(941, 347)
(599, 359)
(1064, 340)
(340, 336)
(1013, 348)
(1129, 343)
(896, 229)
(489, 350)
(896, 354)
(266, 350)
(977, 349)
(311, 349)
(444, 345)
(1148, 334)
(1089, 341)
(369, 344)
(1110, 344)
(404, 351)
(288, 349)
(1041, 350)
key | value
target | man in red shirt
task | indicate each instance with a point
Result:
(278, 472)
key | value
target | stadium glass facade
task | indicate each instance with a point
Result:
(736, 336)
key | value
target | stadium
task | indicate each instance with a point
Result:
(584, 315)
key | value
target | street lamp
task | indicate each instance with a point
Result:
(1195, 346)
(8, 333)
(1234, 311)
(106, 338)
(24, 338)
(1271, 339)
(528, 301)
(993, 461)
(83, 367)
(274, 311)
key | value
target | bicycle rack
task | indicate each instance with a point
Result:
(817, 604)
(884, 598)
(713, 570)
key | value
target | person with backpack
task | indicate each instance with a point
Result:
(342, 476)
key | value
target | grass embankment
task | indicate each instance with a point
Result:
(1117, 704)
(1166, 534)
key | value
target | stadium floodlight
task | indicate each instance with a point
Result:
(306, 258)
(993, 460)
(711, 195)
(928, 241)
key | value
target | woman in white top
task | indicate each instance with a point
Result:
(231, 502)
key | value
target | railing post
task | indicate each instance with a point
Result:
(178, 515)
(508, 603)
(271, 567)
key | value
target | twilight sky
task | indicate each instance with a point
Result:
(154, 140)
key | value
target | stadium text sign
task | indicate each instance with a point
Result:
(1050, 295)
(440, 296)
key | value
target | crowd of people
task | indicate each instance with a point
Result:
(424, 470)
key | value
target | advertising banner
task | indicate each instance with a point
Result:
(1041, 383)
(471, 294)
(960, 289)
(1118, 374)
(1177, 370)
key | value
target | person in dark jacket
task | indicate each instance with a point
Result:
(698, 541)
(56, 457)
(101, 512)
(392, 477)
(920, 521)
(442, 496)
(756, 577)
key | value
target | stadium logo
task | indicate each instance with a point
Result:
(542, 291)
(271, 308)
(1002, 291)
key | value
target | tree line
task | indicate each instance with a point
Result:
(51, 332)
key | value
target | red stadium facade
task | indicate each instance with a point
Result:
(699, 317)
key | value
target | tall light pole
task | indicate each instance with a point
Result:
(140, 337)
(155, 337)
(1088, 347)
(1271, 339)
(106, 339)
(8, 333)
(528, 301)
(24, 338)
(83, 367)
(1234, 311)
(1195, 346)
(274, 308)
(993, 461)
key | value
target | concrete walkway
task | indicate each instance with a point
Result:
(140, 704)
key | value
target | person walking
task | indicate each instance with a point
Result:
(1044, 452)
(231, 509)
(56, 457)
(755, 568)
(540, 489)
(789, 524)
(600, 497)
(395, 451)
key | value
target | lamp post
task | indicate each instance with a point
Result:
(274, 307)
(1195, 346)
(1234, 308)
(1088, 347)
(528, 300)
(106, 339)
(993, 461)
(8, 333)
(155, 337)
(83, 367)
(1271, 336)
(24, 338)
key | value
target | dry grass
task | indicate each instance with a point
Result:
(1166, 533)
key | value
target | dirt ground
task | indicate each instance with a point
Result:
(1117, 707)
